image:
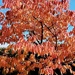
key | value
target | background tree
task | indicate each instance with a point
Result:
(47, 46)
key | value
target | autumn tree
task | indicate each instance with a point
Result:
(48, 46)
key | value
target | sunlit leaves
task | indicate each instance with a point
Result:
(1, 16)
(48, 44)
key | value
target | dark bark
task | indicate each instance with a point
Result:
(41, 32)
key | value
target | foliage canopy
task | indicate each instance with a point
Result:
(47, 45)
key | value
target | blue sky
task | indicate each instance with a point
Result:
(72, 4)
(72, 7)
(0, 2)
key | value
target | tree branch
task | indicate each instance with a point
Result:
(49, 30)
(41, 32)
(53, 35)
(56, 42)
(41, 29)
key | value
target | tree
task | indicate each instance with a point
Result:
(47, 46)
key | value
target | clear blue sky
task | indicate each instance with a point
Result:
(72, 4)
(72, 7)
(0, 2)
